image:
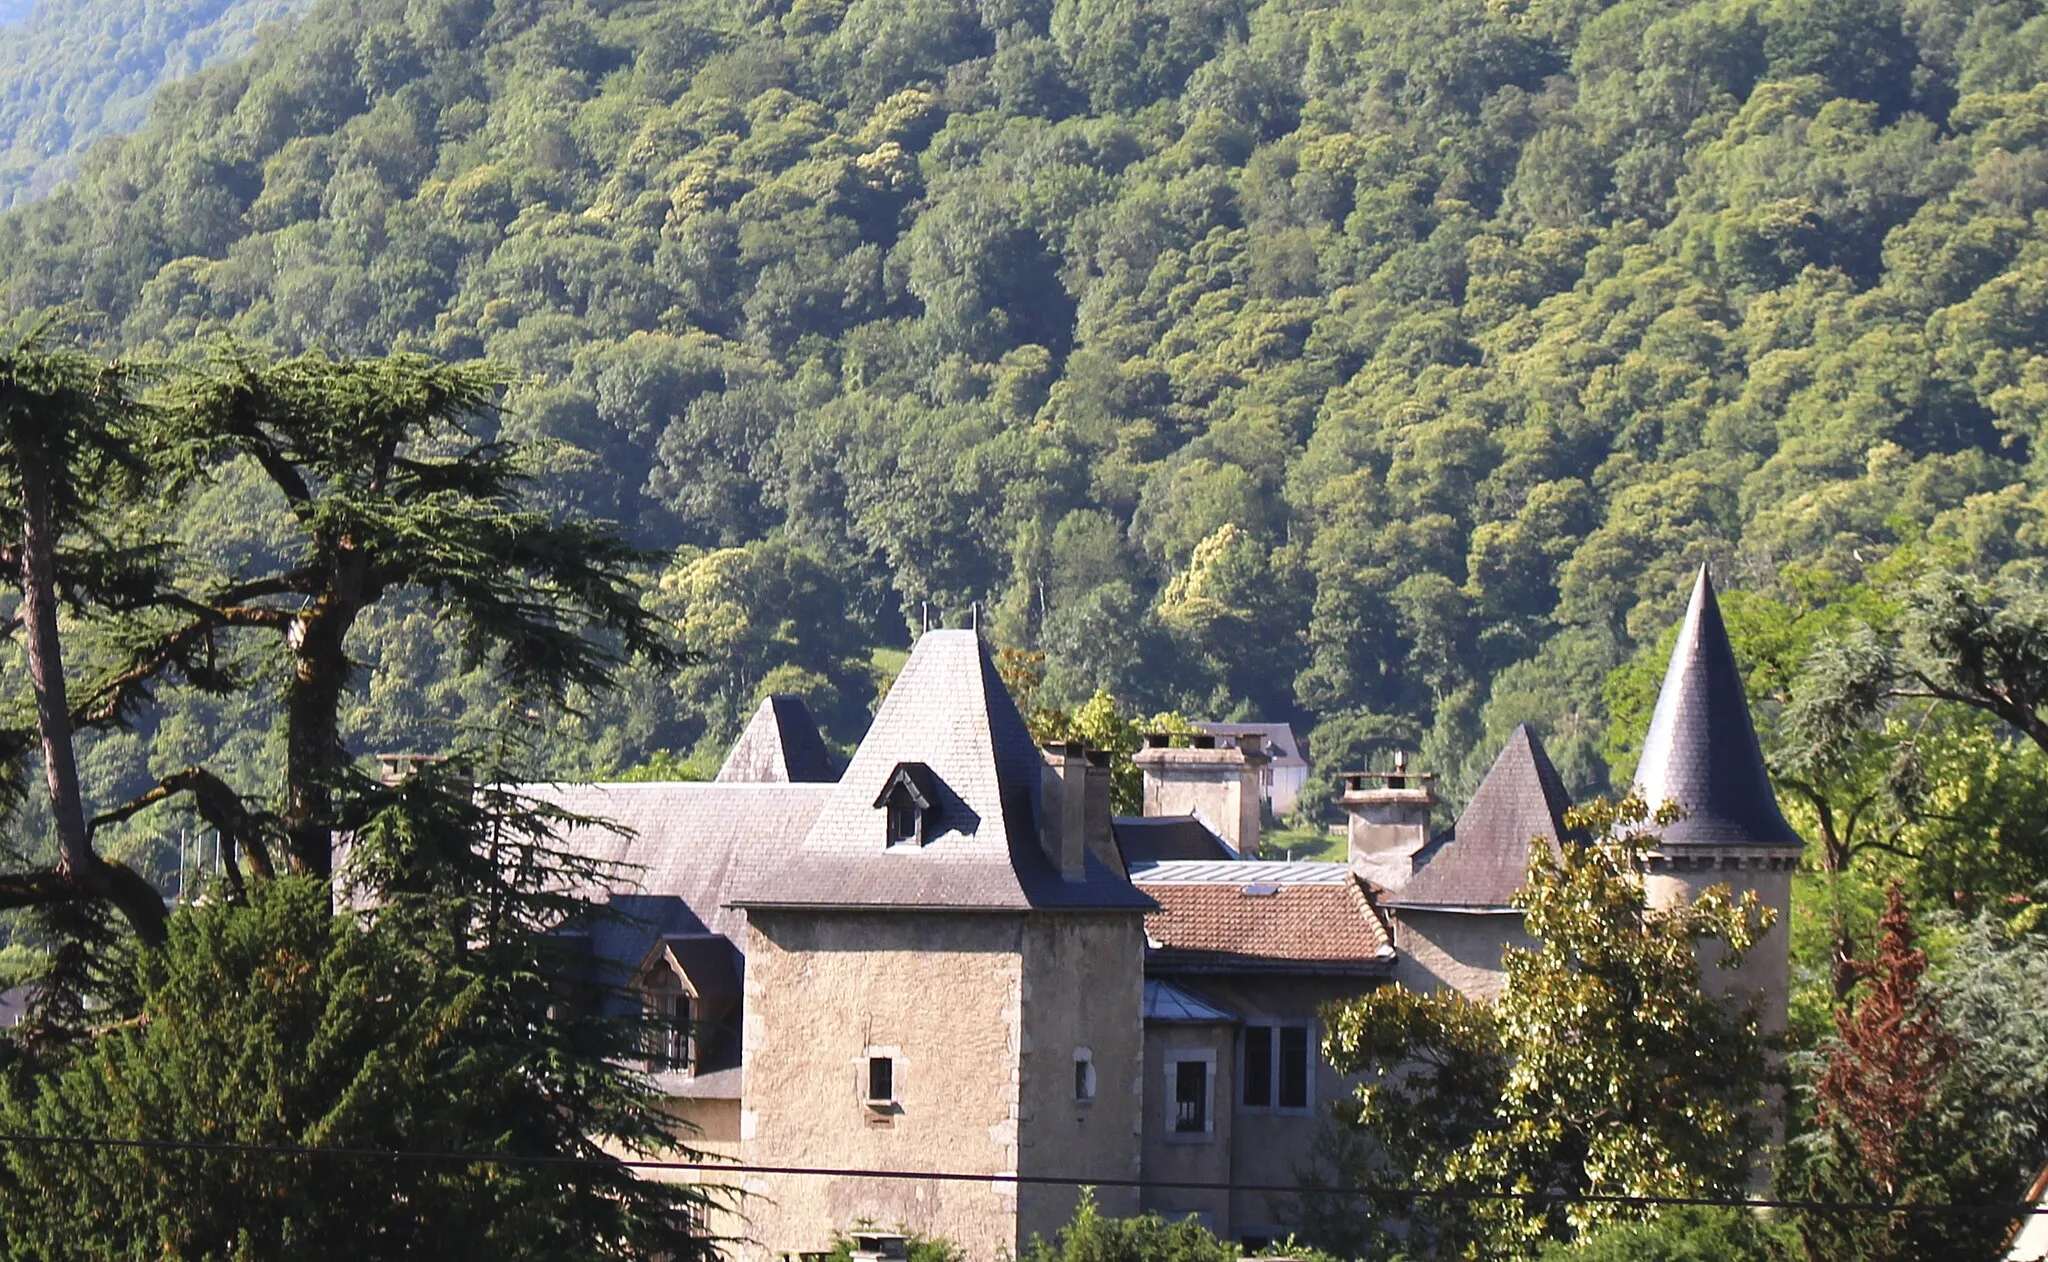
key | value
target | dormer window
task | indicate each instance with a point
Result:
(909, 802)
(666, 1009)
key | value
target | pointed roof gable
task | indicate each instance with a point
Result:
(1702, 751)
(1485, 859)
(949, 712)
(780, 745)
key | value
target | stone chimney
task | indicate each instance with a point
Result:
(1389, 813)
(1063, 807)
(1215, 778)
(1101, 837)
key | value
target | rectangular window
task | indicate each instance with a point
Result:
(881, 1079)
(1294, 1064)
(1084, 1080)
(1258, 1066)
(1279, 1061)
(1190, 1097)
(668, 1029)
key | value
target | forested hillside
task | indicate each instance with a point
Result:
(1385, 365)
(72, 71)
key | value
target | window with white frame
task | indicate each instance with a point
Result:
(1190, 1081)
(1278, 1066)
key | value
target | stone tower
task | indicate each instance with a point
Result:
(1702, 753)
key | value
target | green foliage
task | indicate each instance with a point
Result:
(1563, 1084)
(434, 1024)
(1680, 1233)
(917, 1248)
(1091, 1237)
(1366, 366)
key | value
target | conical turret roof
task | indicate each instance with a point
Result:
(1702, 751)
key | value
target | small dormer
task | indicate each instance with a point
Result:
(910, 802)
(688, 987)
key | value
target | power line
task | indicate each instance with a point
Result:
(957, 1176)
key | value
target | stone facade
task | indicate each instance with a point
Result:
(1454, 951)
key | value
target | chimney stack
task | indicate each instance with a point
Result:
(1063, 807)
(1390, 813)
(1217, 779)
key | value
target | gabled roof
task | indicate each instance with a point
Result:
(1281, 745)
(780, 744)
(1258, 920)
(1484, 859)
(1149, 839)
(1702, 751)
(949, 711)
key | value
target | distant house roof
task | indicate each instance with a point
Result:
(1281, 745)
(1168, 1004)
(1701, 751)
(780, 744)
(949, 711)
(1262, 918)
(1484, 859)
(1149, 839)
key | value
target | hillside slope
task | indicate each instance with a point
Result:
(1383, 364)
(76, 70)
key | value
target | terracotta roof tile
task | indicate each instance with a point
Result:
(1265, 928)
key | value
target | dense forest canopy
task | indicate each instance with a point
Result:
(73, 71)
(1381, 365)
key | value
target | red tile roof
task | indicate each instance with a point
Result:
(1281, 928)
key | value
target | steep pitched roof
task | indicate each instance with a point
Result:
(1149, 839)
(949, 711)
(1485, 857)
(780, 744)
(1702, 750)
(1281, 745)
(1262, 922)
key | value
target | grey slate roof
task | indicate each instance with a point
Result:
(681, 846)
(1484, 859)
(1168, 1004)
(1148, 839)
(949, 711)
(1281, 745)
(780, 744)
(1242, 872)
(1702, 750)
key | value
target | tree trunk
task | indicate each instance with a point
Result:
(314, 760)
(46, 665)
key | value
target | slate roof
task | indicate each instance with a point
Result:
(780, 745)
(1702, 750)
(1149, 839)
(677, 849)
(1249, 925)
(1243, 872)
(1168, 1004)
(1484, 859)
(1281, 745)
(949, 711)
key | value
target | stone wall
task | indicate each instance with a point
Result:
(1084, 994)
(1205, 1158)
(942, 994)
(1461, 951)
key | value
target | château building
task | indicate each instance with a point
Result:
(949, 956)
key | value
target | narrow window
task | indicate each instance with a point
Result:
(1084, 1080)
(1190, 1097)
(881, 1079)
(902, 819)
(667, 1012)
(1258, 1066)
(1294, 1065)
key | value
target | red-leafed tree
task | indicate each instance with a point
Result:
(1883, 1130)
(1892, 1054)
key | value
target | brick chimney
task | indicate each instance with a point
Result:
(1389, 813)
(1215, 777)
